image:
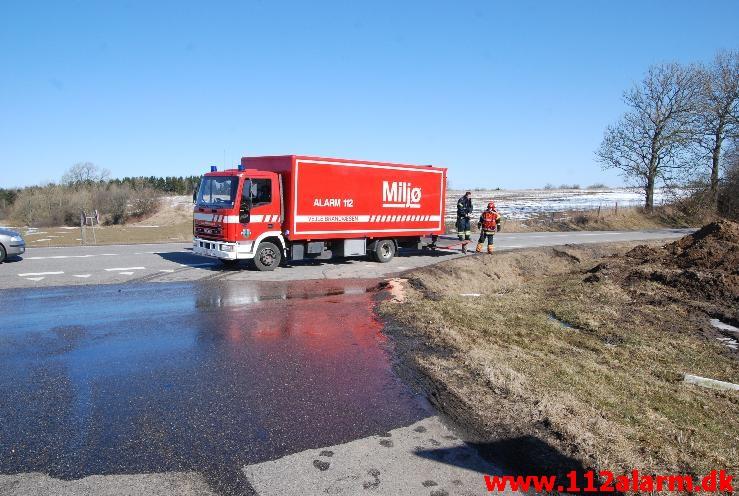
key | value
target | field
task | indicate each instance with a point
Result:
(604, 209)
(524, 204)
(574, 357)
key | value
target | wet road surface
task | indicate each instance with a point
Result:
(206, 377)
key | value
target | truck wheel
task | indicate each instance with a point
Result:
(2, 253)
(384, 251)
(267, 257)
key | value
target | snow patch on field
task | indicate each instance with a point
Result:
(523, 204)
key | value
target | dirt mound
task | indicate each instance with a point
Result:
(702, 267)
(714, 247)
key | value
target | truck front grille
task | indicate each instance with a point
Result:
(209, 231)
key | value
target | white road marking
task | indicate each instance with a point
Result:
(197, 264)
(126, 273)
(166, 270)
(57, 257)
(34, 278)
(118, 269)
(26, 274)
(83, 276)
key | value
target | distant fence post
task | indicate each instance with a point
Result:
(615, 208)
(82, 227)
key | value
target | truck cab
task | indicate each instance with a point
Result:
(236, 211)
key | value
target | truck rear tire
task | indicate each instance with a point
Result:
(384, 250)
(267, 257)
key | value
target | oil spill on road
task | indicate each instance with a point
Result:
(170, 377)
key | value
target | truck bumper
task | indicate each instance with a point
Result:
(219, 249)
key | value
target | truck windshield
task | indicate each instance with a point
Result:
(218, 191)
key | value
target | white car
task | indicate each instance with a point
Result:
(11, 244)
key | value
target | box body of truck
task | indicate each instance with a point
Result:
(316, 207)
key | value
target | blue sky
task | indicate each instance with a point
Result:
(505, 94)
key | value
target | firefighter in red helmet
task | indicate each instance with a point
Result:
(489, 223)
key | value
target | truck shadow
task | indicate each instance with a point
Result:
(189, 259)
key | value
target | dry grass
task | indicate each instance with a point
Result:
(606, 391)
(623, 219)
(111, 235)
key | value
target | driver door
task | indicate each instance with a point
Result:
(261, 196)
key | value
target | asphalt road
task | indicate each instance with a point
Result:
(173, 262)
(199, 377)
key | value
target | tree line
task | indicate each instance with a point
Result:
(681, 126)
(175, 185)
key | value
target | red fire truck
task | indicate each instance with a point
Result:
(293, 207)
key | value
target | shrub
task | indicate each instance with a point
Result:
(53, 205)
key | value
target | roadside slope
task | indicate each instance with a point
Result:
(574, 356)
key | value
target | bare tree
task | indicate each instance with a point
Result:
(718, 118)
(84, 173)
(648, 143)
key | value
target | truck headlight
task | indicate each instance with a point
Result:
(227, 248)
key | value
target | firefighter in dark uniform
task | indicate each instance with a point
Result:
(464, 210)
(489, 223)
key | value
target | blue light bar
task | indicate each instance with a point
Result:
(213, 168)
(241, 167)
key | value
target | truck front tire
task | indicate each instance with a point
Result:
(384, 250)
(267, 257)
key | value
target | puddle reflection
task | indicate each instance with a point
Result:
(179, 376)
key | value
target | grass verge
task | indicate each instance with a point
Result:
(110, 235)
(553, 365)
